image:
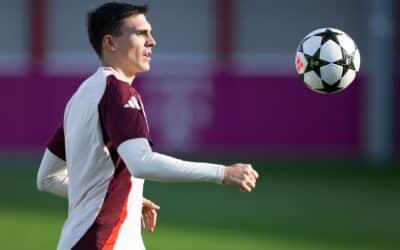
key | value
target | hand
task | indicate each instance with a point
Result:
(240, 175)
(149, 215)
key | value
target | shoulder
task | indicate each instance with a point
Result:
(117, 90)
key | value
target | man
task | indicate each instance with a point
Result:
(101, 154)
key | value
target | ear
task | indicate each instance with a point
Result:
(109, 44)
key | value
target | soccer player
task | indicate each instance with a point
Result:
(101, 155)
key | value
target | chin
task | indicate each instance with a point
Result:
(140, 68)
(145, 68)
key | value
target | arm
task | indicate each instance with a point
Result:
(52, 176)
(146, 164)
(142, 162)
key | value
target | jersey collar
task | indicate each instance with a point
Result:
(110, 70)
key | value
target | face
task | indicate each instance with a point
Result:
(133, 47)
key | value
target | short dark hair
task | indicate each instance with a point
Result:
(107, 19)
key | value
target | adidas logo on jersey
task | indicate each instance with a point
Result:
(132, 103)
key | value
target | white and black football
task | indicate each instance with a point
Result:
(327, 60)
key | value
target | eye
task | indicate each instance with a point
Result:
(141, 32)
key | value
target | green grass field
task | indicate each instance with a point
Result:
(296, 206)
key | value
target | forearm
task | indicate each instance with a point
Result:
(52, 176)
(146, 164)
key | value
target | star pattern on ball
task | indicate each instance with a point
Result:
(327, 35)
(347, 60)
(330, 88)
(315, 63)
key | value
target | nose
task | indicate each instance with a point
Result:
(151, 42)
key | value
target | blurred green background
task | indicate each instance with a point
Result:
(297, 205)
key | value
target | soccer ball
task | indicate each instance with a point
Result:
(327, 60)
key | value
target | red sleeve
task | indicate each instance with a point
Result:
(56, 143)
(121, 113)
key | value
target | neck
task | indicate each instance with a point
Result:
(121, 73)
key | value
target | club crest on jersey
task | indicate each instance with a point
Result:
(132, 103)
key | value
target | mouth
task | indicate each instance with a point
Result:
(147, 55)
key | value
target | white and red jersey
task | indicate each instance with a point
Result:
(104, 120)
(104, 199)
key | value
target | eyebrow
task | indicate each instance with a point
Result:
(141, 31)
